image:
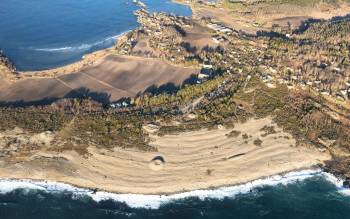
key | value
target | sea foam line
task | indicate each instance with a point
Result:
(156, 201)
(82, 46)
(337, 182)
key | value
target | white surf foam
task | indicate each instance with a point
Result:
(82, 47)
(8, 185)
(155, 201)
(337, 182)
(63, 49)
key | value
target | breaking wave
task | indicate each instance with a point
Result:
(83, 47)
(156, 201)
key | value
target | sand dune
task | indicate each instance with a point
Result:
(33, 89)
(192, 160)
(81, 80)
(3, 83)
(115, 76)
(135, 74)
(199, 37)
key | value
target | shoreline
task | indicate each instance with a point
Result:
(315, 170)
(154, 201)
(86, 60)
(194, 160)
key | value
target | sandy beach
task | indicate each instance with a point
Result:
(183, 162)
(188, 161)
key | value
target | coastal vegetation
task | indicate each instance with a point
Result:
(297, 77)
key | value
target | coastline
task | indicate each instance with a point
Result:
(87, 60)
(285, 163)
(155, 201)
(310, 171)
(193, 160)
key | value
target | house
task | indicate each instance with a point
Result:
(309, 83)
(202, 76)
(344, 92)
(325, 93)
(220, 28)
(219, 39)
(340, 97)
(207, 66)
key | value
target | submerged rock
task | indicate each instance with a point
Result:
(346, 183)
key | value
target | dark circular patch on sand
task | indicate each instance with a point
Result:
(157, 163)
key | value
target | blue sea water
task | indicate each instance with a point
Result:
(313, 197)
(43, 34)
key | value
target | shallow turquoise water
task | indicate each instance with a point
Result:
(42, 34)
(312, 198)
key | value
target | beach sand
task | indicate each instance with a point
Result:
(188, 161)
(185, 162)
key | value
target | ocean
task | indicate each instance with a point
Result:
(43, 34)
(296, 195)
